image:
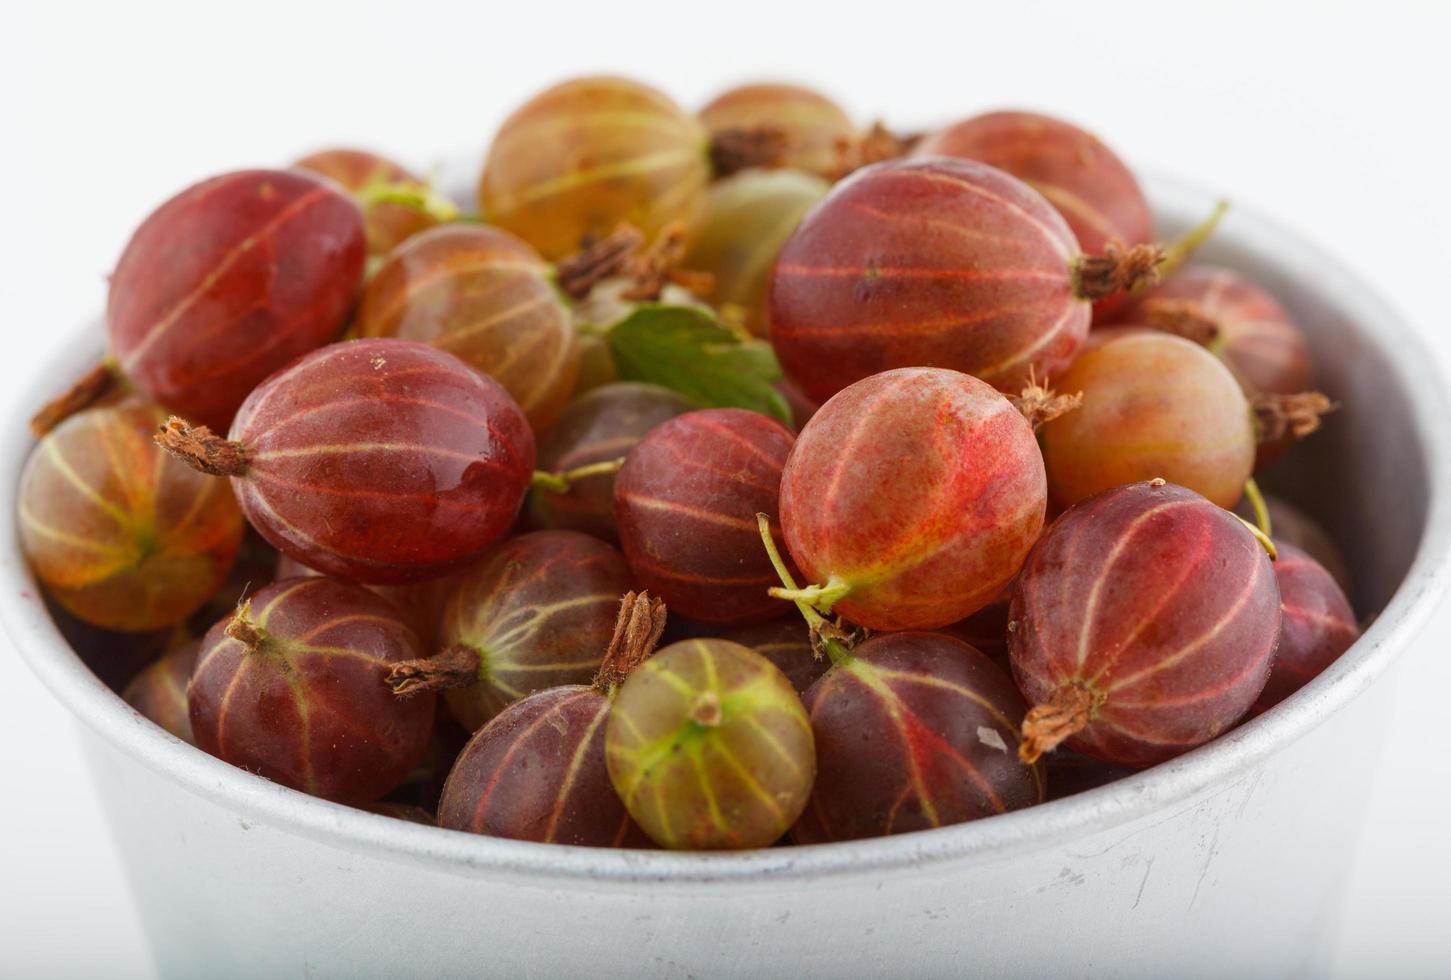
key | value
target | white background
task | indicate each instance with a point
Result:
(1330, 117)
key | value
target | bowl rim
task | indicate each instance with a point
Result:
(1223, 762)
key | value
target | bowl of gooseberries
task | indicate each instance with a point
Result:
(723, 535)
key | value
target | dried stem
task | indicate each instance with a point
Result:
(879, 143)
(705, 711)
(95, 385)
(1039, 404)
(654, 267)
(1118, 269)
(562, 481)
(243, 629)
(1298, 415)
(202, 449)
(455, 666)
(743, 147)
(637, 631)
(1183, 318)
(577, 274)
(1068, 710)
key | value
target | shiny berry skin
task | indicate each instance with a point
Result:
(601, 425)
(1318, 624)
(1080, 176)
(917, 493)
(748, 217)
(686, 502)
(298, 695)
(1154, 405)
(419, 604)
(159, 691)
(913, 731)
(929, 262)
(709, 747)
(488, 298)
(786, 642)
(382, 461)
(1143, 624)
(1239, 323)
(387, 223)
(537, 611)
(119, 534)
(537, 772)
(580, 158)
(820, 137)
(229, 281)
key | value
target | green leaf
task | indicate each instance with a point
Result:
(690, 351)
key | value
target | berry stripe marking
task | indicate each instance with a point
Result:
(637, 166)
(1060, 247)
(302, 452)
(576, 762)
(431, 500)
(503, 768)
(705, 516)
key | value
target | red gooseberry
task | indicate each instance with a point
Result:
(1142, 625)
(159, 691)
(1317, 624)
(912, 498)
(943, 263)
(222, 285)
(534, 612)
(119, 534)
(396, 204)
(378, 461)
(686, 501)
(292, 687)
(537, 771)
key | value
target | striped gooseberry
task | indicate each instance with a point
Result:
(576, 487)
(222, 285)
(378, 461)
(158, 693)
(911, 499)
(819, 137)
(580, 158)
(1142, 625)
(686, 501)
(1317, 624)
(293, 687)
(419, 604)
(1238, 322)
(1157, 405)
(709, 747)
(396, 204)
(748, 217)
(119, 534)
(537, 770)
(938, 262)
(913, 730)
(535, 612)
(1081, 177)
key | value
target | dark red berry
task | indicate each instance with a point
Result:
(159, 691)
(1317, 624)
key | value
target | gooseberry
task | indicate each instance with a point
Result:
(942, 263)
(912, 498)
(1291, 524)
(119, 534)
(819, 137)
(159, 691)
(379, 461)
(292, 688)
(535, 612)
(222, 285)
(576, 488)
(396, 204)
(786, 642)
(686, 501)
(1142, 626)
(913, 730)
(537, 770)
(1317, 624)
(748, 217)
(709, 747)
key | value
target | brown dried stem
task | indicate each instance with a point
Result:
(1182, 318)
(1039, 404)
(201, 448)
(577, 274)
(243, 630)
(1297, 415)
(455, 666)
(95, 385)
(879, 143)
(743, 147)
(1118, 269)
(652, 268)
(1067, 711)
(637, 631)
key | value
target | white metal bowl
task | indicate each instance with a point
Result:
(1225, 862)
